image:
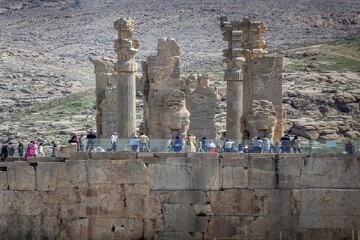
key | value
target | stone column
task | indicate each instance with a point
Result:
(233, 76)
(106, 97)
(253, 45)
(126, 48)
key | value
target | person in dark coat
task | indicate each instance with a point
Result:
(350, 148)
(4, 153)
(20, 149)
(90, 140)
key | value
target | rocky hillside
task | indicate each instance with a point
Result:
(46, 45)
(321, 91)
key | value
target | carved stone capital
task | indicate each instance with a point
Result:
(125, 66)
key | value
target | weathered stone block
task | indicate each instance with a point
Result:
(179, 161)
(49, 227)
(165, 177)
(23, 227)
(289, 171)
(46, 176)
(258, 228)
(12, 164)
(41, 159)
(61, 196)
(235, 177)
(235, 202)
(70, 211)
(96, 202)
(207, 174)
(21, 177)
(113, 155)
(3, 180)
(72, 173)
(116, 228)
(276, 202)
(136, 189)
(154, 160)
(227, 227)
(144, 154)
(326, 202)
(174, 215)
(99, 172)
(203, 210)
(152, 227)
(264, 162)
(148, 207)
(190, 197)
(80, 156)
(3, 225)
(261, 179)
(331, 172)
(129, 171)
(325, 221)
(325, 234)
(176, 235)
(27, 203)
(77, 229)
(236, 160)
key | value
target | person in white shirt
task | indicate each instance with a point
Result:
(113, 140)
(257, 145)
(227, 146)
(41, 150)
(266, 145)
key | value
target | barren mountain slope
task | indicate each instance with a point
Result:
(70, 31)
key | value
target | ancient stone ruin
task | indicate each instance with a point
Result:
(178, 106)
(201, 103)
(258, 79)
(126, 47)
(263, 81)
(260, 120)
(107, 120)
(116, 85)
(233, 76)
(172, 105)
(174, 117)
(161, 76)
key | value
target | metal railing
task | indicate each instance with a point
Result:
(167, 145)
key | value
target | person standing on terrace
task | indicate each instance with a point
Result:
(350, 148)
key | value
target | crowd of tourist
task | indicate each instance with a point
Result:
(33, 149)
(177, 144)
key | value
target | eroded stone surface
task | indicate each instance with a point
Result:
(194, 196)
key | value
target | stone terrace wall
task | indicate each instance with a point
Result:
(181, 196)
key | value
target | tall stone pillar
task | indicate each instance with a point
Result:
(126, 47)
(254, 46)
(233, 76)
(161, 76)
(106, 97)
